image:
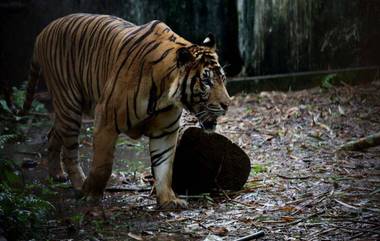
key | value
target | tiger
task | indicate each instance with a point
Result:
(134, 80)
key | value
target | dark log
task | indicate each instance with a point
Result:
(207, 162)
(362, 143)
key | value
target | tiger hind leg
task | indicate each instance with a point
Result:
(68, 128)
(70, 158)
(54, 157)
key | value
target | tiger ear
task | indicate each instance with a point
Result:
(184, 56)
(209, 41)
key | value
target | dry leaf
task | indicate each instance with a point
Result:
(287, 208)
(135, 236)
(220, 231)
(287, 218)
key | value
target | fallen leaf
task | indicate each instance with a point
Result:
(135, 236)
(217, 230)
(287, 218)
(287, 208)
(341, 110)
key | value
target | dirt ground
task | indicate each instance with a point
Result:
(299, 188)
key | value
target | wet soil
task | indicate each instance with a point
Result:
(300, 187)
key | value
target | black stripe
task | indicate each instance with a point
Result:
(183, 91)
(109, 51)
(54, 68)
(165, 109)
(119, 69)
(192, 84)
(128, 55)
(157, 159)
(67, 116)
(66, 127)
(129, 125)
(162, 56)
(152, 97)
(160, 154)
(91, 40)
(174, 122)
(129, 38)
(167, 75)
(72, 147)
(69, 64)
(176, 90)
(142, 37)
(138, 53)
(101, 69)
(116, 120)
(164, 134)
(151, 49)
(156, 164)
(138, 89)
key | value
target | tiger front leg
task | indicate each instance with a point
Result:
(101, 167)
(162, 151)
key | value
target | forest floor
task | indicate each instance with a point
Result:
(300, 187)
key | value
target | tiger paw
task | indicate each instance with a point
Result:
(91, 192)
(174, 204)
(59, 177)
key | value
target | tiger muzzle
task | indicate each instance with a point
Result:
(210, 121)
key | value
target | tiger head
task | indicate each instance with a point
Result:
(203, 88)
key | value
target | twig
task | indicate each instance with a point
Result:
(286, 177)
(39, 114)
(252, 236)
(30, 153)
(357, 236)
(320, 232)
(346, 205)
(356, 229)
(127, 189)
(303, 219)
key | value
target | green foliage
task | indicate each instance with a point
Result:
(4, 106)
(38, 107)
(10, 175)
(12, 126)
(328, 81)
(77, 219)
(21, 212)
(258, 168)
(18, 96)
(7, 138)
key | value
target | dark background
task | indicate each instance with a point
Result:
(255, 37)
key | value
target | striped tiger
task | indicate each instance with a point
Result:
(134, 80)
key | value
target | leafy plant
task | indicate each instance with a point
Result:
(18, 96)
(21, 212)
(258, 168)
(7, 138)
(328, 81)
(4, 106)
(20, 209)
